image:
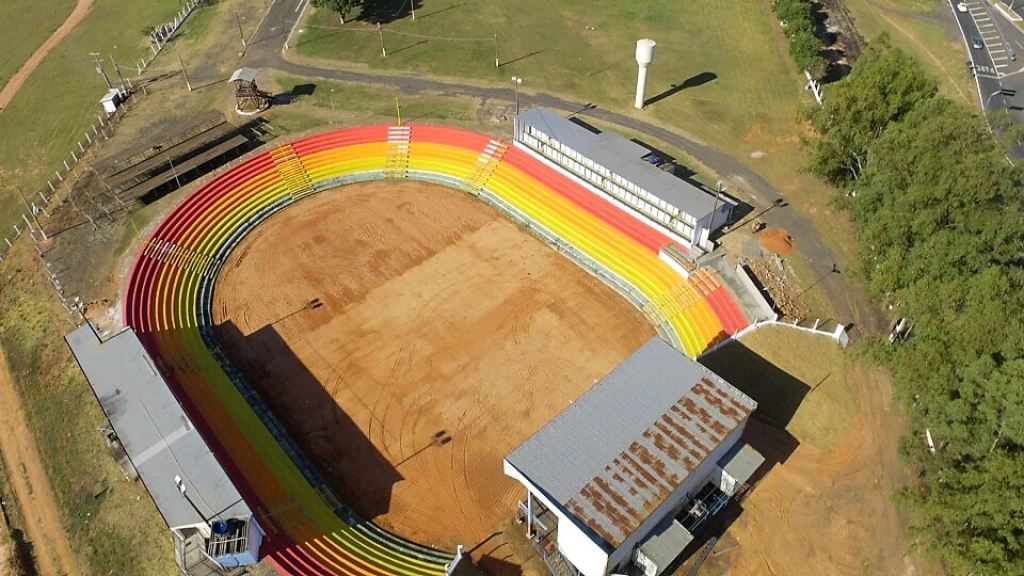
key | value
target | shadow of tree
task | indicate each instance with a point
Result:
(387, 11)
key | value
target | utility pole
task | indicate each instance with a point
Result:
(516, 81)
(124, 84)
(496, 64)
(380, 31)
(183, 71)
(99, 69)
(240, 34)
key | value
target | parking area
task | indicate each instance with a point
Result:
(1000, 60)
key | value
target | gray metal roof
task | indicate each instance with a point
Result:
(666, 542)
(618, 452)
(244, 74)
(159, 438)
(622, 157)
(741, 461)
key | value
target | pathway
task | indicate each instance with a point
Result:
(31, 487)
(14, 84)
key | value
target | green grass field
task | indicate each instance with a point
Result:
(802, 382)
(24, 26)
(741, 92)
(59, 102)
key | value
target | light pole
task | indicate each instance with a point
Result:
(990, 96)
(516, 81)
(333, 111)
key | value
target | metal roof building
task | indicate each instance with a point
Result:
(188, 485)
(630, 452)
(615, 168)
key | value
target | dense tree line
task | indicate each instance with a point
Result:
(940, 232)
(804, 45)
(380, 11)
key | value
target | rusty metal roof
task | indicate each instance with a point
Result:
(612, 457)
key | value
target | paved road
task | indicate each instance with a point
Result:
(266, 51)
(999, 64)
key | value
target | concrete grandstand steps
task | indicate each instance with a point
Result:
(681, 258)
(705, 281)
(485, 165)
(396, 161)
(292, 172)
(181, 257)
(674, 301)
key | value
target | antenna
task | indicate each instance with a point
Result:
(644, 57)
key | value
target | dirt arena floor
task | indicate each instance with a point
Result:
(440, 336)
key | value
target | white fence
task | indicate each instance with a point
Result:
(839, 334)
(38, 203)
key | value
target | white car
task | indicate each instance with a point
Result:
(962, 7)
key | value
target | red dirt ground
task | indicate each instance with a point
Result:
(777, 240)
(446, 336)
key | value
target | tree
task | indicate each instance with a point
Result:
(884, 86)
(342, 7)
(939, 222)
(937, 199)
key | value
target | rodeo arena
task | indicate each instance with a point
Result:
(622, 478)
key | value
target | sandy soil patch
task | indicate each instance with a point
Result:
(411, 336)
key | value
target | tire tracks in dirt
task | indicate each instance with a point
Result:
(31, 486)
(14, 84)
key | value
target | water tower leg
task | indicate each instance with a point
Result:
(641, 85)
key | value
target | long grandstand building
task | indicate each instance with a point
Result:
(618, 170)
(168, 298)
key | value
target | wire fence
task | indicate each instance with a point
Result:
(58, 189)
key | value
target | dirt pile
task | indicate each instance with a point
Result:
(778, 241)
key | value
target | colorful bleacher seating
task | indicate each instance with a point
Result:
(169, 299)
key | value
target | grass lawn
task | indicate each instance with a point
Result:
(741, 90)
(24, 26)
(801, 381)
(59, 102)
(112, 525)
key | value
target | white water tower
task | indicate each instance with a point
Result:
(644, 57)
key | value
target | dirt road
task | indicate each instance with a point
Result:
(14, 84)
(35, 498)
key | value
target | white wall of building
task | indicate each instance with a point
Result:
(580, 549)
(573, 543)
